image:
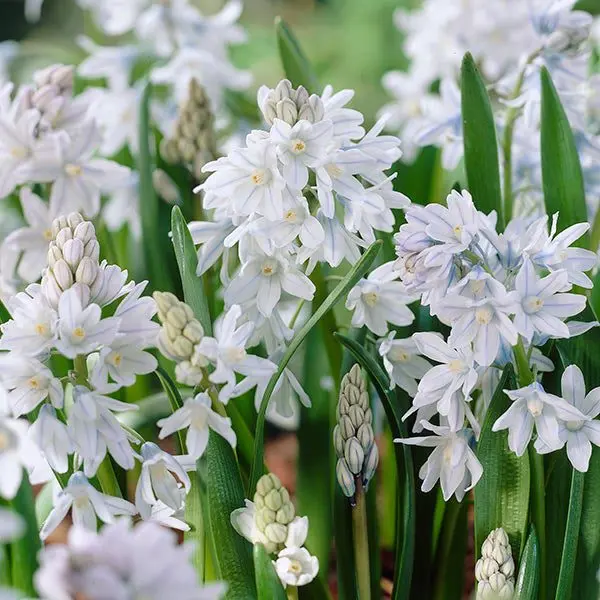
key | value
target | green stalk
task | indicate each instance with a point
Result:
(361, 543)
(107, 478)
(291, 592)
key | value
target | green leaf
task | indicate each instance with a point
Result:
(394, 411)
(149, 206)
(569, 555)
(268, 584)
(502, 494)
(528, 579)
(340, 291)
(187, 261)
(226, 494)
(295, 64)
(24, 551)
(564, 190)
(481, 146)
(590, 6)
(175, 399)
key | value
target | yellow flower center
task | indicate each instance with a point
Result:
(484, 315)
(41, 328)
(456, 365)
(34, 383)
(371, 298)
(258, 176)
(5, 440)
(457, 230)
(19, 152)
(334, 170)
(235, 355)
(535, 406)
(268, 268)
(116, 359)
(298, 146)
(290, 216)
(47, 234)
(295, 567)
(79, 332)
(533, 304)
(574, 425)
(399, 355)
(73, 170)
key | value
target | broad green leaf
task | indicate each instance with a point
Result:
(394, 411)
(149, 206)
(481, 146)
(564, 190)
(225, 493)
(502, 494)
(24, 551)
(241, 106)
(315, 450)
(341, 290)
(452, 548)
(268, 585)
(528, 579)
(591, 6)
(295, 64)
(187, 261)
(569, 555)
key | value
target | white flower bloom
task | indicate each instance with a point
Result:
(262, 280)
(197, 415)
(403, 363)
(578, 435)
(122, 561)
(78, 179)
(452, 461)
(29, 382)
(346, 121)
(296, 566)
(210, 236)
(51, 436)
(87, 504)
(16, 453)
(82, 330)
(32, 240)
(122, 207)
(248, 179)
(541, 307)
(299, 147)
(379, 299)
(532, 405)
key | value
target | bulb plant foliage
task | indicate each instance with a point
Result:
(419, 313)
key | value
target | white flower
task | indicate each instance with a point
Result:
(29, 382)
(197, 415)
(296, 566)
(122, 207)
(51, 436)
(87, 503)
(403, 363)
(82, 330)
(452, 462)
(160, 477)
(228, 351)
(346, 121)
(299, 147)
(379, 299)
(532, 405)
(262, 280)
(578, 435)
(78, 179)
(16, 452)
(248, 180)
(32, 240)
(541, 308)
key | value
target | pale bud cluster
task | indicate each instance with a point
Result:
(291, 105)
(54, 88)
(193, 142)
(274, 511)
(73, 256)
(179, 337)
(353, 436)
(495, 570)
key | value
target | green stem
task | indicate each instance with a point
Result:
(524, 372)
(360, 535)
(107, 478)
(80, 370)
(538, 510)
(477, 260)
(595, 233)
(291, 592)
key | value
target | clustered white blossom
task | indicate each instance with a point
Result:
(121, 562)
(499, 293)
(511, 42)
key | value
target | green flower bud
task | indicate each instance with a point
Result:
(354, 455)
(365, 436)
(356, 415)
(370, 464)
(345, 478)
(347, 429)
(338, 441)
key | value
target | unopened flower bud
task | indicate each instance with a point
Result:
(338, 441)
(301, 95)
(370, 464)
(74, 219)
(345, 478)
(283, 90)
(193, 331)
(86, 271)
(165, 186)
(54, 254)
(92, 250)
(356, 415)
(83, 292)
(270, 112)
(287, 111)
(164, 301)
(495, 569)
(354, 455)
(63, 275)
(73, 252)
(177, 317)
(51, 289)
(84, 231)
(63, 236)
(347, 429)
(365, 436)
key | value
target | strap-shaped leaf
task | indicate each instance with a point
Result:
(296, 66)
(481, 146)
(268, 585)
(528, 579)
(502, 494)
(394, 411)
(341, 290)
(564, 190)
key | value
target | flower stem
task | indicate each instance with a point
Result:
(524, 372)
(107, 478)
(360, 535)
(291, 591)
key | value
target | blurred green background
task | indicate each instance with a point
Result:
(351, 43)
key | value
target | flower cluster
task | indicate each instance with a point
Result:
(271, 521)
(129, 562)
(511, 41)
(495, 570)
(502, 295)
